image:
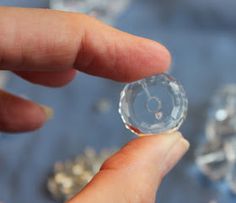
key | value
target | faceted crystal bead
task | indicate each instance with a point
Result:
(225, 96)
(217, 159)
(105, 10)
(153, 105)
(222, 114)
(211, 160)
(230, 149)
(69, 177)
(221, 131)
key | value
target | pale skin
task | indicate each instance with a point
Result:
(48, 48)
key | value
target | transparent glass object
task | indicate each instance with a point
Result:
(222, 114)
(70, 176)
(153, 105)
(230, 151)
(212, 161)
(105, 10)
(231, 178)
(217, 158)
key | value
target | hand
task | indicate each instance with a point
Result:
(47, 47)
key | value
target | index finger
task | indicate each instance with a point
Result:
(46, 40)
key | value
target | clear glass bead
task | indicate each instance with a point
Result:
(153, 105)
(222, 114)
(212, 161)
(105, 10)
(217, 158)
(230, 149)
(69, 177)
(231, 178)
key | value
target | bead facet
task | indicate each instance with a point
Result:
(153, 105)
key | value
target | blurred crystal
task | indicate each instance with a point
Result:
(220, 130)
(153, 105)
(217, 158)
(222, 114)
(231, 178)
(230, 149)
(105, 10)
(103, 105)
(211, 160)
(70, 176)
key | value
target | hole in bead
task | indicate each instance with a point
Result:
(153, 104)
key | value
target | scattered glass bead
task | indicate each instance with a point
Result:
(153, 105)
(231, 178)
(230, 149)
(211, 160)
(222, 114)
(105, 10)
(220, 130)
(70, 176)
(217, 158)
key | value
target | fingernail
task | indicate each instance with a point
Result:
(48, 111)
(175, 153)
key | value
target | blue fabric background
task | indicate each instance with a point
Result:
(201, 37)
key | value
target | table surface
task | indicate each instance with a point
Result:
(204, 53)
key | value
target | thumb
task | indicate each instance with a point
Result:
(135, 172)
